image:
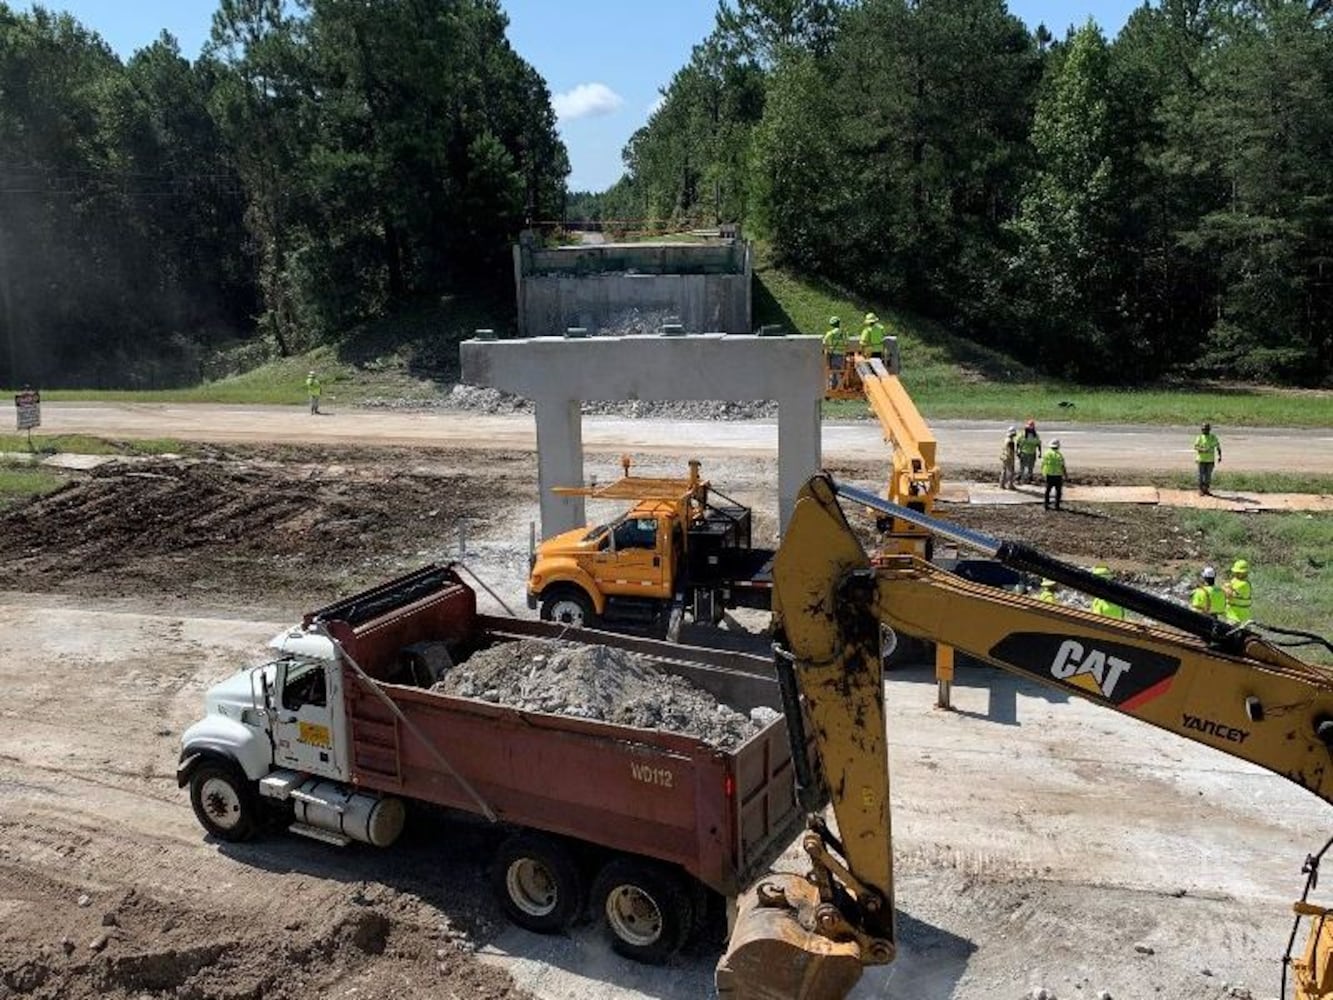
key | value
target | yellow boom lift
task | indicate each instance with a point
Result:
(914, 481)
(808, 937)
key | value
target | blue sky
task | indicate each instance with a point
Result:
(604, 60)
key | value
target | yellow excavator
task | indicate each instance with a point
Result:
(808, 937)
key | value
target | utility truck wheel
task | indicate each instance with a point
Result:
(568, 606)
(223, 801)
(538, 883)
(647, 909)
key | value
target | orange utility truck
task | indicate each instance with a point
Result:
(681, 548)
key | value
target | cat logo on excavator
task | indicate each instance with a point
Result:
(1092, 669)
(1123, 675)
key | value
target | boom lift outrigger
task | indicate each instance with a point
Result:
(808, 937)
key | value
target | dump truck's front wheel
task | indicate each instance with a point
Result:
(647, 907)
(568, 606)
(538, 882)
(223, 800)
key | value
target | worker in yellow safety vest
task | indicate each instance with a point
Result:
(1207, 453)
(872, 337)
(1053, 468)
(1240, 596)
(313, 389)
(1047, 593)
(835, 351)
(1029, 450)
(1208, 598)
(1101, 606)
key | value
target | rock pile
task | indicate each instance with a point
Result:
(595, 682)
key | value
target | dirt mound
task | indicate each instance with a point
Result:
(232, 527)
(135, 946)
(1089, 533)
(595, 682)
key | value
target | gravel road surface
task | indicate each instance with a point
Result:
(961, 443)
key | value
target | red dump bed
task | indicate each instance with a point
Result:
(721, 815)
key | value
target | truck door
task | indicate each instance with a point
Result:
(308, 736)
(638, 567)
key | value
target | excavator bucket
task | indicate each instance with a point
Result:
(772, 956)
(1313, 967)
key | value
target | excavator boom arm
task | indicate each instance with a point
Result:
(1225, 690)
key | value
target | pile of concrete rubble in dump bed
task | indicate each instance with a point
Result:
(597, 682)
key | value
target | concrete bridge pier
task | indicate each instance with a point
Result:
(559, 462)
(558, 374)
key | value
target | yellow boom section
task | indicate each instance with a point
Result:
(916, 477)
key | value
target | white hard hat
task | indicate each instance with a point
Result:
(1013, 429)
(1209, 573)
(1055, 443)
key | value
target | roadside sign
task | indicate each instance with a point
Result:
(29, 406)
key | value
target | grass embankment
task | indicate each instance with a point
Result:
(1291, 566)
(1228, 482)
(952, 377)
(21, 481)
(87, 444)
(411, 355)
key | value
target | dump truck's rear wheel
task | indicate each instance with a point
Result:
(647, 909)
(223, 801)
(568, 606)
(538, 883)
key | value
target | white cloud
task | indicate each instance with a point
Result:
(585, 101)
(656, 106)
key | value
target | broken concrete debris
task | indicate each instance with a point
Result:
(596, 682)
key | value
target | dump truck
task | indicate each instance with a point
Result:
(338, 730)
(683, 547)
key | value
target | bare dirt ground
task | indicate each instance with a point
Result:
(1039, 842)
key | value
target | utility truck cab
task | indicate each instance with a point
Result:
(682, 547)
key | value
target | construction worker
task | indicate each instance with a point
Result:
(1029, 450)
(835, 351)
(312, 388)
(1101, 606)
(1008, 459)
(1239, 594)
(872, 337)
(1047, 593)
(1053, 468)
(1208, 598)
(1207, 452)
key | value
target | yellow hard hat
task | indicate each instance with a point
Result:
(1240, 566)
(1100, 571)
(1047, 584)
(871, 318)
(834, 321)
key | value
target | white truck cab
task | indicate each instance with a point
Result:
(277, 733)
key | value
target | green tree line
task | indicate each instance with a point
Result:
(1159, 204)
(320, 163)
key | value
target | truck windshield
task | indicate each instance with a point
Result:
(601, 530)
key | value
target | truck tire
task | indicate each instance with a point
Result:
(647, 909)
(538, 883)
(223, 801)
(568, 606)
